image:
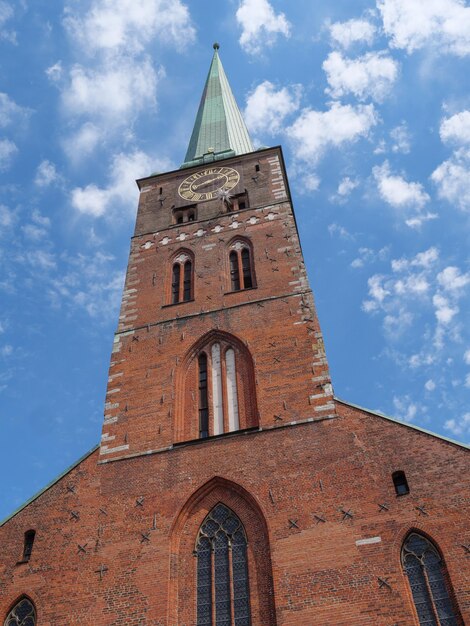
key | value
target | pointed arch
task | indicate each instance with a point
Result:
(22, 613)
(180, 279)
(223, 396)
(241, 265)
(428, 579)
(185, 532)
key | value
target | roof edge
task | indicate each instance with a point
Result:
(49, 485)
(406, 424)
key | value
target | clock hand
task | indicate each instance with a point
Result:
(206, 182)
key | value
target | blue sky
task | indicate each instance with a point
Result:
(371, 103)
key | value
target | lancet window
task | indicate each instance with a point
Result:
(182, 279)
(223, 596)
(222, 414)
(429, 583)
(22, 614)
(28, 544)
(241, 266)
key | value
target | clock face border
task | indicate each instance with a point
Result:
(197, 187)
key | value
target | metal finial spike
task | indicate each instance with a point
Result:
(216, 46)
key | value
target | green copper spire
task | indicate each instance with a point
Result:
(219, 131)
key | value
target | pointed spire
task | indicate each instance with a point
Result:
(219, 131)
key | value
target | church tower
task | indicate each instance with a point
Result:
(230, 488)
(218, 331)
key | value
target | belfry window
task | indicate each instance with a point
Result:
(223, 596)
(429, 583)
(182, 279)
(241, 266)
(185, 214)
(238, 202)
(203, 400)
(22, 614)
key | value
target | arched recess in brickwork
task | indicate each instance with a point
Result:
(180, 277)
(230, 390)
(22, 613)
(182, 604)
(429, 584)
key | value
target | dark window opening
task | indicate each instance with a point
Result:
(234, 271)
(188, 270)
(238, 203)
(429, 583)
(28, 544)
(222, 570)
(246, 266)
(401, 484)
(257, 168)
(188, 214)
(22, 614)
(203, 397)
(161, 190)
(175, 284)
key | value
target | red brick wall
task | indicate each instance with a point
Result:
(317, 572)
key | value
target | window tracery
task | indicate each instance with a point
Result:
(222, 570)
(22, 614)
(429, 583)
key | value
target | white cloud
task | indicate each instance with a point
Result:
(112, 93)
(6, 350)
(452, 179)
(10, 112)
(260, 25)
(451, 279)
(414, 24)
(401, 138)
(459, 426)
(80, 144)
(127, 25)
(7, 151)
(418, 286)
(315, 131)
(346, 186)
(55, 72)
(466, 357)
(398, 192)
(6, 13)
(367, 256)
(369, 76)
(341, 231)
(430, 385)
(418, 220)
(122, 190)
(38, 228)
(7, 218)
(46, 174)
(352, 31)
(406, 409)
(456, 129)
(267, 108)
(467, 381)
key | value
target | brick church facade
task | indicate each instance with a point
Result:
(231, 487)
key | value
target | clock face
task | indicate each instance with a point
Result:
(206, 184)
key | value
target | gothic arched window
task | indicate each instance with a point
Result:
(223, 595)
(222, 415)
(182, 279)
(241, 266)
(22, 614)
(216, 389)
(429, 582)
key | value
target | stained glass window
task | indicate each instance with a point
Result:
(428, 581)
(223, 597)
(22, 614)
